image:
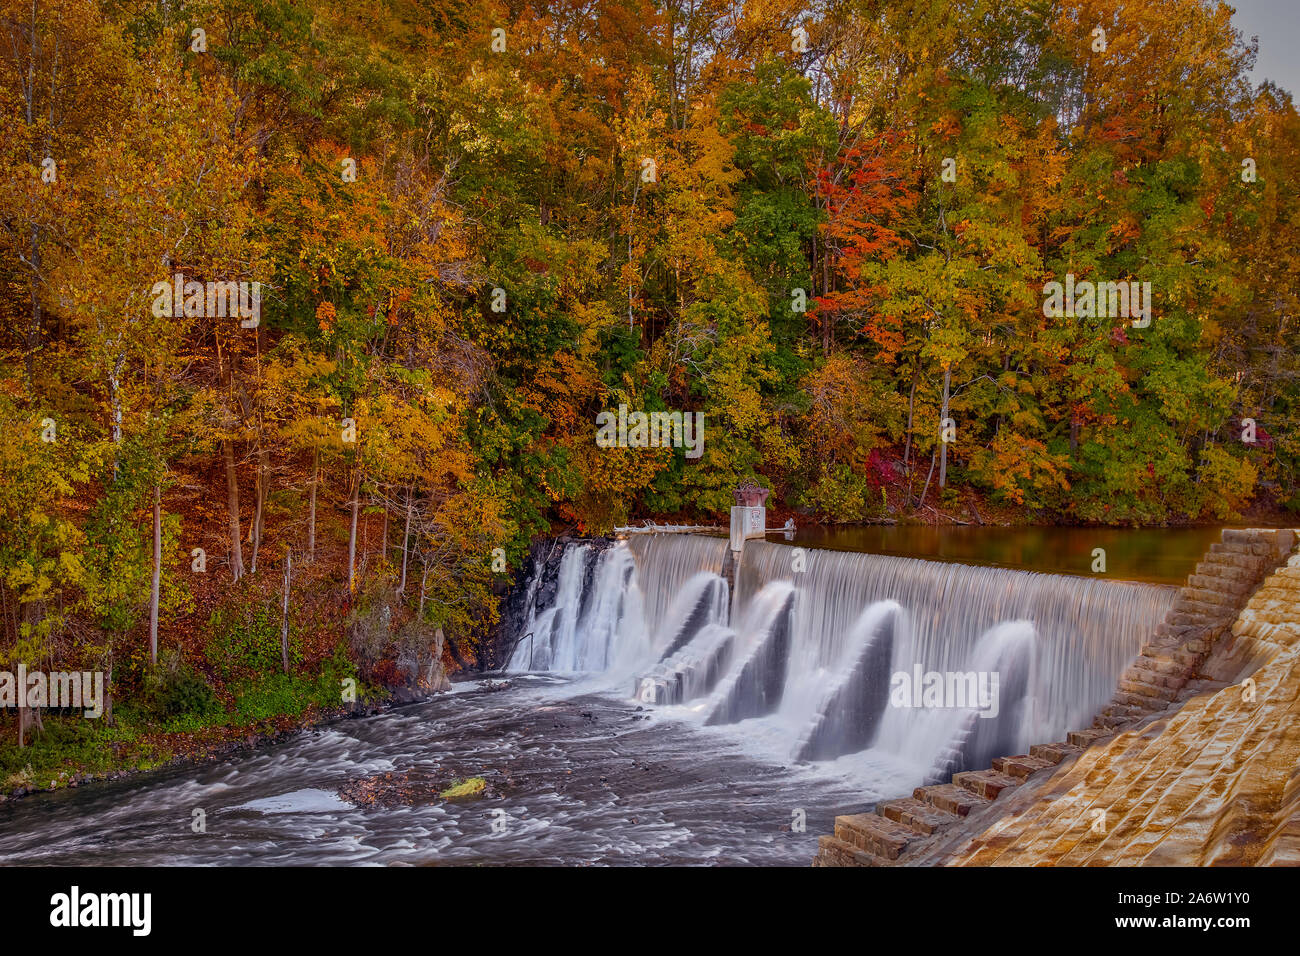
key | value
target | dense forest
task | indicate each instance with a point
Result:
(445, 235)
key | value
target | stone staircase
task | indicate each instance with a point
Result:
(1212, 783)
(1164, 673)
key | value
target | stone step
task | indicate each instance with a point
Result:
(1178, 632)
(985, 783)
(1113, 722)
(1163, 667)
(1209, 598)
(1247, 562)
(949, 798)
(1151, 705)
(1233, 536)
(1126, 710)
(1021, 765)
(1054, 753)
(918, 815)
(1233, 548)
(1146, 689)
(1233, 589)
(1210, 612)
(1086, 738)
(1168, 681)
(1272, 543)
(1254, 549)
(1178, 616)
(832, 851)
(875, 834)
(1232, 574)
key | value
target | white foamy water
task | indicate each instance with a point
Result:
(810, 654)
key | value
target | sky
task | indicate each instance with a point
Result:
(1277, 24)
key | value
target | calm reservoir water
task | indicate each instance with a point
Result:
(1156, 555)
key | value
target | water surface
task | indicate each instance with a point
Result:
(1156, 555)
(580, 781)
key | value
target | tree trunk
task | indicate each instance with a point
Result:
(34, 329)
(352, 536)
(406, 537)
(911, 405)
(232, 500)
(157, 574)
(284, 617)
(108, 695)
(115, 404)
(928, 476)
(311, 520)
(424, 581)
(943, 425)
(263, 473)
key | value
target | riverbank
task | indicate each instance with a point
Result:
(71, 752)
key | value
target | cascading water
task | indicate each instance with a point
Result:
(1057, 643)
(648, 596)
(757, 680)
(665, 562)
(549, 639)
(810, 660)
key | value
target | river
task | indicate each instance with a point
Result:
(608, 788)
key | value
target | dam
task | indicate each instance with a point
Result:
(799, 657)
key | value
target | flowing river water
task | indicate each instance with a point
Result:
(582, 779)
(656, 714)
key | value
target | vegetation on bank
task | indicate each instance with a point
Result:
(827, 228)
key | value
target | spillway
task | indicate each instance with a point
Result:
(825, 655)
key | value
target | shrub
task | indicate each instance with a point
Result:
(275, 695)
(173, 688)
(246, 642)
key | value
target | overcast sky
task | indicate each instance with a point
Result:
(1277, 24)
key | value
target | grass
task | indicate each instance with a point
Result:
(142, 739)
(74, 745)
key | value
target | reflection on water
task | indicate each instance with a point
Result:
(1157, 555)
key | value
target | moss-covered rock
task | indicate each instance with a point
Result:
(459, 789)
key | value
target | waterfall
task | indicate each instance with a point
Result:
(665, 562)
(757, 682)
(930, 665)
(1087, 629)
(549, 640)
(846, 717)
(649, 595)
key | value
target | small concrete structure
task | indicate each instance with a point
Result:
(748, 514)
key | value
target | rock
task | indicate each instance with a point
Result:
(462, 789)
